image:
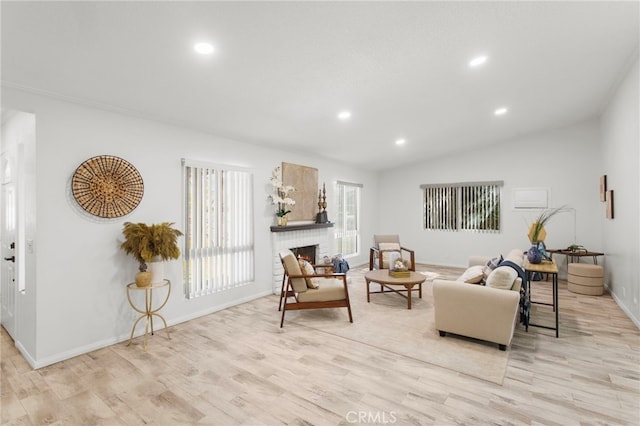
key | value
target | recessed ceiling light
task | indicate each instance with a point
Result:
(400, 141)
(477, 61)
(500, 111)
(344, 115)
(203, 48)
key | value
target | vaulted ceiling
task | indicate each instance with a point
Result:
(282, 71)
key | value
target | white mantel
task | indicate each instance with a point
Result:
(287, 237)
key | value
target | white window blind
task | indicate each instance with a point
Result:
(472, 206)
(346, 231)
(219, 238)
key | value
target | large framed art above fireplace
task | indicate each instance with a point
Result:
(305, 181)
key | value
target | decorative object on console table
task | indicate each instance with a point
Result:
(150, 245)
(281, 197)
(537, 234)
(533, 254)
(576, 248)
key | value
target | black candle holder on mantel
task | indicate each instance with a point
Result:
(321, 217)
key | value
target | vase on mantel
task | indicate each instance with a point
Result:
(282, 220)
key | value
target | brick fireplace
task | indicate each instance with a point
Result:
(294, 236)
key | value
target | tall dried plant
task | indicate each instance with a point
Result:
(146, 242)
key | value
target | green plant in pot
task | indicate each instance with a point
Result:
(150, 245)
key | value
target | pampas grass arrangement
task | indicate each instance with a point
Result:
(146, 242)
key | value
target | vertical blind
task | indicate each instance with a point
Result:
(219, 238)
(441, 210)
(473, 206)
(346, 233)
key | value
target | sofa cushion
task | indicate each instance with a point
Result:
(516, 256)
(502, 277)
(307, 269)
(473, 275)
(491, 265)
(329, 290)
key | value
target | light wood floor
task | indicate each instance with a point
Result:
(237, 367)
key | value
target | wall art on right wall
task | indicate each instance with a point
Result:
(603, 188)
(610, 204)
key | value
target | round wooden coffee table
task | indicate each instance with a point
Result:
(382, 277)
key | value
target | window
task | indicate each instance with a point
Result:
(346, 235)
(472, 206)
(219, 242)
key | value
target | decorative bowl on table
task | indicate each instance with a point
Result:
(398, 267)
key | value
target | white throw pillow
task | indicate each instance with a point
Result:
(502, 277)
(473, 275)
(389, 246)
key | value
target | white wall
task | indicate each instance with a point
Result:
(81, 272)
(620, 162)
(567, 161)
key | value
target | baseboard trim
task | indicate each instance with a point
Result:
(26, 355)
(36, 364)
(621, 305)
(217, 308)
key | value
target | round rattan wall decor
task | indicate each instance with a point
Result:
(107, 186)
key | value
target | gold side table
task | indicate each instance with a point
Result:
(149, 311)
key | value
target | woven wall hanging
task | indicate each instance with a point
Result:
(107, 186)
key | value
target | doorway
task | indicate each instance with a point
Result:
(17, 141)
(8, 288)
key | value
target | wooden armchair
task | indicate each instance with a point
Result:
(311, 290)
(383, 245)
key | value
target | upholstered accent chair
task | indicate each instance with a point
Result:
(309, 289)
(383, 246)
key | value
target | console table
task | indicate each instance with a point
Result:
(546, 267)
(574, 256)
(148, 311)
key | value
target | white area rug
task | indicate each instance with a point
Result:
(430, 275)
(387, 324)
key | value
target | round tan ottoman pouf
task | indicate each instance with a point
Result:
(584, 278)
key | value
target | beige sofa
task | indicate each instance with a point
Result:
(486, 312)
